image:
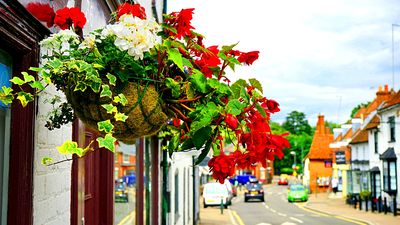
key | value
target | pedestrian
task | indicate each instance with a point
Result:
(334, 183)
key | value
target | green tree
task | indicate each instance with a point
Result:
(331, 125)
(358, 107)
(296, 123)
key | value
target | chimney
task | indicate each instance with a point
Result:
(383, 95)
(321, 124)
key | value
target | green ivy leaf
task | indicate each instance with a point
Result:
(199, 81)
(97, 66)
(37, 84)
(70, 147)
(110, 108)
(55, 63)
(35, 69)
(80, 86)
(25, 98)
(255, 83)
(6, 95)
(234, 107)
(17, 81)
(174, 143)
(105, 91)
(105, 126)
(175, 56)
(27, 77)
(46, 161)
(201, 136)
(107, 142)
(120, 117)
(112, 79)
(122, 99)
(174, 86)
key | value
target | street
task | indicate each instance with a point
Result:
(124, 211)
(278, 211)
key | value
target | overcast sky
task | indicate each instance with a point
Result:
(315, 56)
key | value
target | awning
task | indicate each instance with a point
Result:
(388, 154)
(374, 169)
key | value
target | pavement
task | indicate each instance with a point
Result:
(325, 203)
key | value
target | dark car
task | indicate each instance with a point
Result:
(121, 192)
(254, 191)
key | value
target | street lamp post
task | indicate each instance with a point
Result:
(294, 156)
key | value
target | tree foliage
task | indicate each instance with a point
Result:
(358, 107)
(296, 123)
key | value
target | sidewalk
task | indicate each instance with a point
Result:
(328, 203)
(213, 216)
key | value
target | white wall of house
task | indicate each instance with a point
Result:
(384, 137)
(52, 184)
(181, 188)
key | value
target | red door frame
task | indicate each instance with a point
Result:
(20, 36)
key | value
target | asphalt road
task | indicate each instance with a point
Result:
(276, 210)
(124, 211)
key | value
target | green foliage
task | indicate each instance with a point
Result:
(296, 123)
(365, 195)
(358, 107)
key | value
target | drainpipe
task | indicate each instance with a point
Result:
(139, 182)
(147, 178)
(165, 194)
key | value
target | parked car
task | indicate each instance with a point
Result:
(254, 191)
(297, 192)
(121, 192)
(242, 179)
(283, 181)
(213, 193)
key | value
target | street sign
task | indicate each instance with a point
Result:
(340, 157)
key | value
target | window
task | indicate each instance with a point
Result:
(390, 176)
(392, 131)
(376, 184)
(376, 141)
(125, 158)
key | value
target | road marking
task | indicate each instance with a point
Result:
(295, 219)
(266, 206)
(273, 210)
(282, 214)
(350, 220)
(128, 217)
(231, 217)
(312, 211)
(237, 217)
(263, 224)
(288, 223)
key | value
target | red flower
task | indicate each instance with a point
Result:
(209, 59)
(249, 57)
(222, 166)
(65, 17)
(176, 122)
(272, 106)
(42, 12)
(231, 121)
(181, 22)
(135, 10)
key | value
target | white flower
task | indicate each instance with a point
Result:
(88, 42)
(60, 42)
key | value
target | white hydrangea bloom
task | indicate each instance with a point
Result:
(133, 34)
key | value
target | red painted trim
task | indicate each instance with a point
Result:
(140, 182)
(155, 180)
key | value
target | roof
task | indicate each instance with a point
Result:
(388, 154)
(373, 123)
(360, 113)
(394, 100)
(374, 169)
(360, 137)
(320, 144)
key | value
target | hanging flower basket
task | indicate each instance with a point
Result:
(136, 77)
(144, 110)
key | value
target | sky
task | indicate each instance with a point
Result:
(317, 57)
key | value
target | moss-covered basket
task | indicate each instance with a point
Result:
(144, 110)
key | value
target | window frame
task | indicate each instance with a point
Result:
(392, 129)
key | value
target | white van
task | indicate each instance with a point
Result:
(213, 193)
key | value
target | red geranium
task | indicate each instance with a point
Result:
(134, 9)
(66, 17)
(42, 12)
(181, 22)
(249, 57)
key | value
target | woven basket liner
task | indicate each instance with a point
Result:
(145, 117)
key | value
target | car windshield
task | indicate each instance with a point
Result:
(297, 188)
(254, 186)
(215, 189)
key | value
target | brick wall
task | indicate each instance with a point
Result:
(51, 184)
(317, 169)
